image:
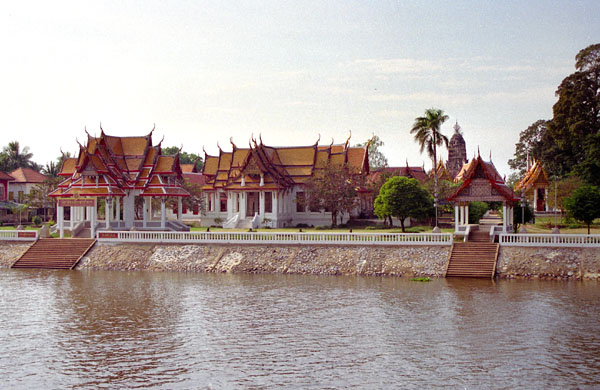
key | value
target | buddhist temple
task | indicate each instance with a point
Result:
(482, 182)
(120, 171)
(262, 185)
(535, 185)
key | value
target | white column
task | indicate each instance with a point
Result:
(467, 214)
(275, 197)
(504, 218)
(145, 212)
(117, 209)
(230, 204)
(546, 203)
(163, 213)
(456, 217)
(93, 219)
(129, 209)
(107, 208)
(150, 210)
(535, 199)
(462, 215)
(61, 220)
(242, 198)
(261, 207)
(179, 208)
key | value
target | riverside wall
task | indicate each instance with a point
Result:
(408, 261)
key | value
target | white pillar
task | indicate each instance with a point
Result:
(242, 198)
(117, 208)
(107, 208)
(179, 208)
(504, 218)
(61, 220)
(163, 213)
(129, 209)
(150, 210)
(230, 204)
(456, 217)
(261, 207)
(535, 199)
(546, 198)
(145, 212)
(467, 213)
(93, 219)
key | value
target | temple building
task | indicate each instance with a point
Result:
(457, 152)
(262, 185)
(535, 185)
(121, 171)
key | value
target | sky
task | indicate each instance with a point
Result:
(203, 72)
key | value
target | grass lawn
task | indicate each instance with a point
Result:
(14, 228)
(545, 224)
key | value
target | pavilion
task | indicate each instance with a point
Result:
(482, 182)
(535, 184)
(121, 171)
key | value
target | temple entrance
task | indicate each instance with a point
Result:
(252, 205)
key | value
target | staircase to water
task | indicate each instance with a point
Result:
(475, 258)
(54, 253)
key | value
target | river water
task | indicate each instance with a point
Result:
(94, 329)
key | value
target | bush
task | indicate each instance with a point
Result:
(476, 211)
(302, 225)
(36, 220)
(322, 228)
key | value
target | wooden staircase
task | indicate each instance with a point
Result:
(54, 253)
(475, 258)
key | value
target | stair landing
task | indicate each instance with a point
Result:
(473, 260)
(54, 253)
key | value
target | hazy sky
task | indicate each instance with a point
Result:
(204, 71)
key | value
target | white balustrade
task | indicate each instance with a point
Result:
(18, 235)
(277, 238)
(551, 240)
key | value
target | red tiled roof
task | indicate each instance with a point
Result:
(6, 176)
(27, 175)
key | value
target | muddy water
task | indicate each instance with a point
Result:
(168, 330)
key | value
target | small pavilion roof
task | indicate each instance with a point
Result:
(535, 177)
(478, 169)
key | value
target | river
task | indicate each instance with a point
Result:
(78, 329)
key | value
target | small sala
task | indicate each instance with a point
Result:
(482, 182)
(125, 172)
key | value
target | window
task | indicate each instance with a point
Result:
(268, 202)
(210, 202)
(20, 196)
(11, 196)
(223, 201)
(300, 202)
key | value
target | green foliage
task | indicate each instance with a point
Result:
(402, 197)
(426, 130)
(518, 215)
(13, 157)
(421, 279)
(476, 211)
(530, 144)
(584, 204)
(184, 157)
(37, 220)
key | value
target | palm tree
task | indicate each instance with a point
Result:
(427, 133)
(17, 158)
(51, 169)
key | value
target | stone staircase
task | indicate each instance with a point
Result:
(53, 253)
(475, 258)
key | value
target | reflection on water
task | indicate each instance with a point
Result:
(168, 330)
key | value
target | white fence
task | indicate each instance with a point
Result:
(18, 235)
(551, 240)
(277, 238)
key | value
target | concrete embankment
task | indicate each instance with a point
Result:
(513, 262)
(316, 260)
(548, 263)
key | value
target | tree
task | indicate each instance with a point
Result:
(14, 157)
(572, 141)
(332, 189)
(426, 130)
(51, 169)
(38, 196)
(518, 215)
(584, 204)
(403, 197)
(184, 157)
(529, 145)
(376, 158)
(477, 210)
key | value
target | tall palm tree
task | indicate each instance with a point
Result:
(427, 133)
(17, 158)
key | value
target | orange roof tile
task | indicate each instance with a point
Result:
(27, 175)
